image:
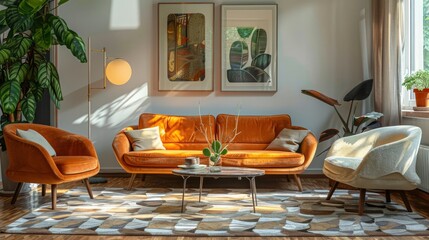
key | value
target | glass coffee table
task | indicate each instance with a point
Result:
(226, 172)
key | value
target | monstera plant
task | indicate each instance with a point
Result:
(351, 124)
(31, 29)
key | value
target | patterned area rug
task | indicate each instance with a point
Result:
(221, 212)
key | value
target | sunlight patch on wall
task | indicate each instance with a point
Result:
(124, 15)
(117, 112)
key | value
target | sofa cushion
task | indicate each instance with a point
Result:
(145, 139)
(160, 158)
(178, 129)
(262, 159)
(288, 140)
(75, 164)
(34, 136)
(253, 129)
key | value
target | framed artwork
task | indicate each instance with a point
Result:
(249, 48)
(185, 34)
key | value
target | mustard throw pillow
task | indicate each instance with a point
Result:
(288, 140)
(36, 137)
(145, 139)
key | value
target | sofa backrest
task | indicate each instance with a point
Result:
(256, 132)
(179, 132)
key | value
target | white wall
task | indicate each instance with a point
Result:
(318, 48)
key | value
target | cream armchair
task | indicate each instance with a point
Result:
(383, 158)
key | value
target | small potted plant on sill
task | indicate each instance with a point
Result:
(419, 81)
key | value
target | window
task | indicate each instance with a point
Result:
(416, 46)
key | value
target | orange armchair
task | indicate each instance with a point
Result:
(29, 162)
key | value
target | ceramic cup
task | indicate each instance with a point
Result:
(190, 161)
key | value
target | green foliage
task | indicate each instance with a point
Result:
(259, 42)
(25, 71)
(419, 80)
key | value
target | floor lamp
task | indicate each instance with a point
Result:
(118, 71)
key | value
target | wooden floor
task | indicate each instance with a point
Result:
(8, 213)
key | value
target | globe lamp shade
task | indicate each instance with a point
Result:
(118, 71)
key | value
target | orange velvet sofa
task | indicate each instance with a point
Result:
(181, 138)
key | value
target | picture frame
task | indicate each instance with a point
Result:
(249, 47)
(185, 36)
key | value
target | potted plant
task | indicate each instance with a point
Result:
(26, 71)
(217, 145)
(419, 81)
(351, 124)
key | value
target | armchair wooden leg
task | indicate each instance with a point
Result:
(54, 196)
(298, 182)
(17, 191)
(388, 196)
(88, 188)
(405, 200)
(43, 190)
(362, 201)
(332, 190)
(130, 184)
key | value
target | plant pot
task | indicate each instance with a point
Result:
(422, 97)
(8, 185)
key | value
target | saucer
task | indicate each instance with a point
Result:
(192, 166)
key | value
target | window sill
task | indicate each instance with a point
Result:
(415, 114)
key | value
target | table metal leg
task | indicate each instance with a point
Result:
(252, 189)
(201, 188)
(185, 178)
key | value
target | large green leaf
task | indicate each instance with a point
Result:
(43, 36)
(18, 71)
(245, 32)
(3, 23)
(258, 74)
(77, 48)
(259, 42)
(59, 26)
(67, 37)
(216, 146)
(29, 107)
(4, 55)
(55, 82)
(29, 7)
(18, 22)
(54, 97)
(19, 45)
(36, 90)
(360, 92)
(44, 74)
(10, 91)
(238, 55)
(9, 3)
(62, 2)
(262, 61)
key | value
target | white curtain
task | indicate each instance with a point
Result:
(388, 39)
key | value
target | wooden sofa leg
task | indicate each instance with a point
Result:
(362, 194)
(54, 196)
(130, 184)
(43, 190)
(88, 188)
(332, 190)
(298, 182)
(405, 200)
(17, 191)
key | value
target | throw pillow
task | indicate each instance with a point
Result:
(145, 139)
(36, 137)
(288, 140)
